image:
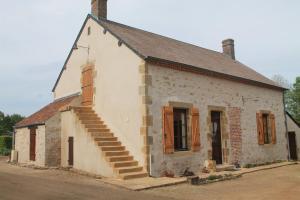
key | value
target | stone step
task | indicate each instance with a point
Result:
(109, 144)
(134, 175)
(105, 139)
(220, 168)
(124, 170)
(116, 153)
(125, 164)
(84, 111)
(119, 158)
(96, 122)
(89, 118)
(98, 130)
(113, 148)
(87, 115)
(78, 109)
(97, 135)
(88, 126)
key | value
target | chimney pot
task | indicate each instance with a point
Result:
(228, 48)
(99, 8)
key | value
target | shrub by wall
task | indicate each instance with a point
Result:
(5, 145)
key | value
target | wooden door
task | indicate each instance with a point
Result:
(293, 146)
(71, 151)
(216, 137)
(87, 86)
(32, 144)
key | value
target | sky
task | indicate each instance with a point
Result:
(36, 37)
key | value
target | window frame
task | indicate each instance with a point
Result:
(186, 112)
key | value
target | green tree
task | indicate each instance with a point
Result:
(7, 122)
(293, 100)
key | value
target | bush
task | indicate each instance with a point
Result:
(5, 142)
(4, 152)
(214, 177)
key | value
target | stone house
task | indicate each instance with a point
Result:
(37, 137)
(152, 105)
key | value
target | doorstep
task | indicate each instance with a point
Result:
(243, 171)
(144, 183)
(150, 183)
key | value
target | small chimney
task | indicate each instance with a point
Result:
(99, 8)
(228, 48)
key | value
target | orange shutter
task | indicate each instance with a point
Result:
(168, 130)
(87, 86)
(260, 132)
(273, 128)
(195, 129)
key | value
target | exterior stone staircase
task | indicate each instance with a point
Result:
(123, 164)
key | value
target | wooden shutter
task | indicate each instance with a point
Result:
(260, 131)
(168, 129)
(273, 128)
(87, 86)
(32, 145)
(195, 119)
(71, 151)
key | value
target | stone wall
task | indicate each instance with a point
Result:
(22, 145)
(53, 141)
(234, 115)
(238, 104)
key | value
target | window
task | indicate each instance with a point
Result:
(266, 129)
(89, 30)
(180, 129)
(176, 136)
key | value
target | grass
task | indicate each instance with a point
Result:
(251, 165)
(214, 177)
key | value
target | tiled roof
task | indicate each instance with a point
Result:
(150, 46)
(45, 113)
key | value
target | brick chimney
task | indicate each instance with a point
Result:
(99, 8)
(228, 48)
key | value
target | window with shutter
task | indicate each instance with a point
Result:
(168, 129)
(195, 129)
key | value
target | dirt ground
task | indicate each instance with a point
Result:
(274, 184)
(17, 183)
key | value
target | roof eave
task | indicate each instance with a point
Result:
(116, 36)
(89, 16)
(30, 125)
(198, 70)
(70, 53)
(292, 118)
